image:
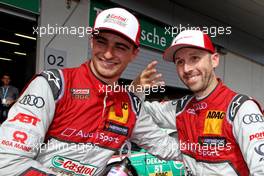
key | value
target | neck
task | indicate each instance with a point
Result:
(211, 86)
(101, 78)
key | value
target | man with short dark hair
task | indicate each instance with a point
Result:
(67, 122)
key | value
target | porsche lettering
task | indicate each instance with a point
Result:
(258, 136)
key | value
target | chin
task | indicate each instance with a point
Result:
(194, 88)
(106, 75)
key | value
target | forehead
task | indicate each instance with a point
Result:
(113, 37)
(183, 52)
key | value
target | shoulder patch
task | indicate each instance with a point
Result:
(235, 104)
(54, 79)
(181, 103)
(136, 103)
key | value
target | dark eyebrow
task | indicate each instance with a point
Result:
(118, 43)
(196, 53)
(100, 37)
(122, 44)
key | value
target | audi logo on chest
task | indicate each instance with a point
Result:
(32, 100)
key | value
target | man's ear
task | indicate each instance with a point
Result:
(215, 59)
(135, 53)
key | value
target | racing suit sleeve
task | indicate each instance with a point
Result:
(148, 135)
(163, 114)
(22, 134)
(248, 130)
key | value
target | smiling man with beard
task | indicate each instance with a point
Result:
(219, 130)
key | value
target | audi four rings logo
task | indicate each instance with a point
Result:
(32, 100)
(253, 118)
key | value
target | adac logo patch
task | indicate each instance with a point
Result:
(213, 122)
(80, 93)
(72, 166)
(120, 119)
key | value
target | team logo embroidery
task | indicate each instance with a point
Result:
(212, 140)
(73, 166)
(80, 93)
(32, 100)
(121, 119)
(53, 78)
(234, 106)
(116, 19)
(114, 128)
(25, 118)
(253, 118)
(213, 122)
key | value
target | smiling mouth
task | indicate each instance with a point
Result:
(191, 79)
(107, 63)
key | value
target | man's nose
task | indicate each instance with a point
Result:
(108, 53)
(187, 68)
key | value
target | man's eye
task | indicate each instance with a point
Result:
(121, 48)
(195, 58)
(179, 62)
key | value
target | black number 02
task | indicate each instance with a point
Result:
(52, 60)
